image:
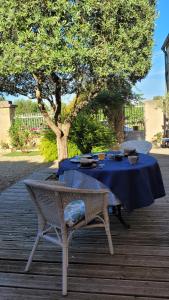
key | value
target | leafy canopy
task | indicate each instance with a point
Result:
(81, 41)
(49, 48)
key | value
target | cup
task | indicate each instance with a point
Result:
(132, 159)
(101, 156)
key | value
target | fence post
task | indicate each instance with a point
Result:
(7, 113)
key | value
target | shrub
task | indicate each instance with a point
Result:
(88, 133)
(4, 145)
(72, 149)
(20, 136)
(48, 147)
(157, 138)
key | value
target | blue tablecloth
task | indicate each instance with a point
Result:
(135, 185)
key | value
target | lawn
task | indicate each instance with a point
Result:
(19, 153)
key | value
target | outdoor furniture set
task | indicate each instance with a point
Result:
(83, 193)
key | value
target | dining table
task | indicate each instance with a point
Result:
(136, 185)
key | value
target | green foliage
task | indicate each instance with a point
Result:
(48, 147)
(87, 132)
(163, 102)
(118, 92)
(111, 101)
(134, 115)
(4, 145)
(73, 149)
(25, 106)
(20, 137)
(101, 149)
(157, 138)
(85, 39)
(54, 47)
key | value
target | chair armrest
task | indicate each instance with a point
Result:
(55, 182)
(45, 183)
(60, 187)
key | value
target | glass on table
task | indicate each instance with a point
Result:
(101, 156)
(133, 159)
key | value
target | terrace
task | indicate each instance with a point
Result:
(139, 269)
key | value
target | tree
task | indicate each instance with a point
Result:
(2, 98)
(111, 101)
(26, 106)
(50, 48)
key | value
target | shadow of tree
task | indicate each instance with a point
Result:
(14, 169)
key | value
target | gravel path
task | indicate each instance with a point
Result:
(14, 168)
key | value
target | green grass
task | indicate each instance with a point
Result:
(19, 153)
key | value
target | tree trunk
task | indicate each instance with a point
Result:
(115, 119)
(62, 148)
(119, 125)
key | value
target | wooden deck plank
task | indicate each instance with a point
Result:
(86, 285)
(87, 270)
(139, 269)
(31, 294)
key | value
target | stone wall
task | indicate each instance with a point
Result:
(7, 112)
(154, 119)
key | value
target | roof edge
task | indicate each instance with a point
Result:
(165, 43)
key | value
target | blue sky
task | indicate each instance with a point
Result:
(154, 82)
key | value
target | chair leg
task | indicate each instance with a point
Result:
(32, 253)
(67, 257)
(64, 268)
(107, 229)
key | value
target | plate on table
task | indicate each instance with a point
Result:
(86, 156)
(75, 160)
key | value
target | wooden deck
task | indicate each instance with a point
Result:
(138, 270)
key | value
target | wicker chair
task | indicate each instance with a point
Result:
(51, 201)
(79, 180)
(140, 146)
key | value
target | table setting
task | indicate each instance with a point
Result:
(135, 178)
(98, 160)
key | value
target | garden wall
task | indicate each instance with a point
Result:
(7, 112)
(154, 119)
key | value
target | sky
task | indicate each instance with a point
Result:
(154, 82)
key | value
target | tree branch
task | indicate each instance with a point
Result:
(57, 81)
(38, 92)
